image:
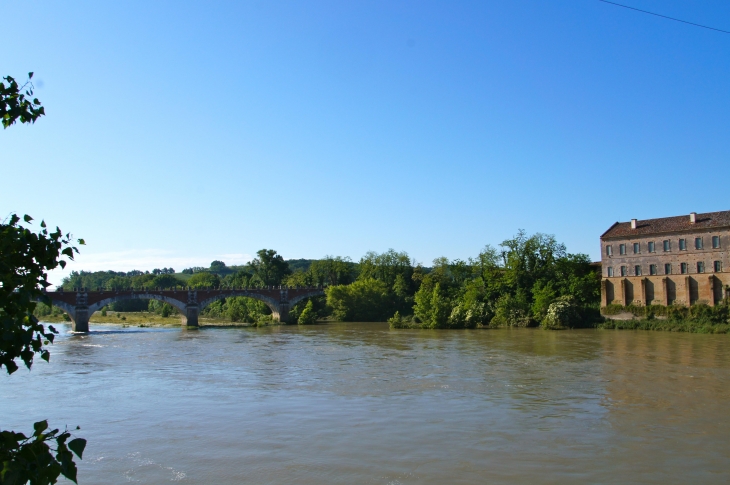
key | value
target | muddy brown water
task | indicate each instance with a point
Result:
(360, 403)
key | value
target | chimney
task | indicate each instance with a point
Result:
(633, 223)
(692, 217)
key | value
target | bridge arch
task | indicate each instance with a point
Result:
(69, 309)
(137, 296)
(299, 298)
(273, 304)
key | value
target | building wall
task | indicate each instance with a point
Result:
(663, 289)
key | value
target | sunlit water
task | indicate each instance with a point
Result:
(359, 403)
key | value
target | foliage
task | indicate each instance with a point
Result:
(204, 280)
(364, 300)
(308, 315)
(25, 257)
(332, 270)
(319, 307)
(433, 306)
(157, 271)
(31, 459)
(237, 279)
(562, 313)
(238, 309)
(166, 281)
(270, 267)
(159, 307)
(14, 105)
(398, 321)
(386, 267)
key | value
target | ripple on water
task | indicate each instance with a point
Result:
(360, 403)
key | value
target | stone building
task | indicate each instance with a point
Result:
(679, 260)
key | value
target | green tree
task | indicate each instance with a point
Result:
(166, 281)
(219, 267)
(308, 315)
(25, 259)
(204, 280)
(332, 271)
(386, 266)
(270, 267)
(433, 306)
(364, 301)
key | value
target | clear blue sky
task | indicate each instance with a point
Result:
(181, 132)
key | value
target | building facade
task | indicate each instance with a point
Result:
(680, 260)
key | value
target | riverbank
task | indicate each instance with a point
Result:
(146, 319)
(664, 325)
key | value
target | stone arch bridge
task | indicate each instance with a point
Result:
(81, 304)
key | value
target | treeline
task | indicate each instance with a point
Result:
(526, 281)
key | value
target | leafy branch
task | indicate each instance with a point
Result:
(31, 459)
(25, 258)
(15, 102)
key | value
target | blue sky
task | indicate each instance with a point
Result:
(181, 132)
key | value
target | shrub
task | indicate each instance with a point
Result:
(398, 321)
(561, 314)
(365, 300)
(512, 311)
(308, 315)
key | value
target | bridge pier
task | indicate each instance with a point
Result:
(190, 318)
(80, 319)
(281, 313)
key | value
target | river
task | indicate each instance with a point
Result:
(363, 404)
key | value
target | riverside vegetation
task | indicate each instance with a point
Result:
(527, 281)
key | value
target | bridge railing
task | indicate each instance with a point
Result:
(188, 288)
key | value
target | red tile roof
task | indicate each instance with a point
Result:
(646, 227)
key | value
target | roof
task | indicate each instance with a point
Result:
(708, 220)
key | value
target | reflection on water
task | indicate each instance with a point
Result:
(359, 403)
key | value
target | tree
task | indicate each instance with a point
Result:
(270, 267)
(25, 259)
(204, 280)
(362, 301)
(218, 267)
(166, 281)
(308, 315)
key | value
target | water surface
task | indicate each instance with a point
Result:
(359, 403)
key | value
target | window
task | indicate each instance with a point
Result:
(637, 248)
(667, 245)
(610, 272)
(700, 267)
(718, 266)
(637, 270)
(682, 244)
(622, 249)
(609, 250)
(683, 268)
(652, 249)
(715, 242)
(698, 243)
(623, 270)
(668, 268)
(652, 269)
